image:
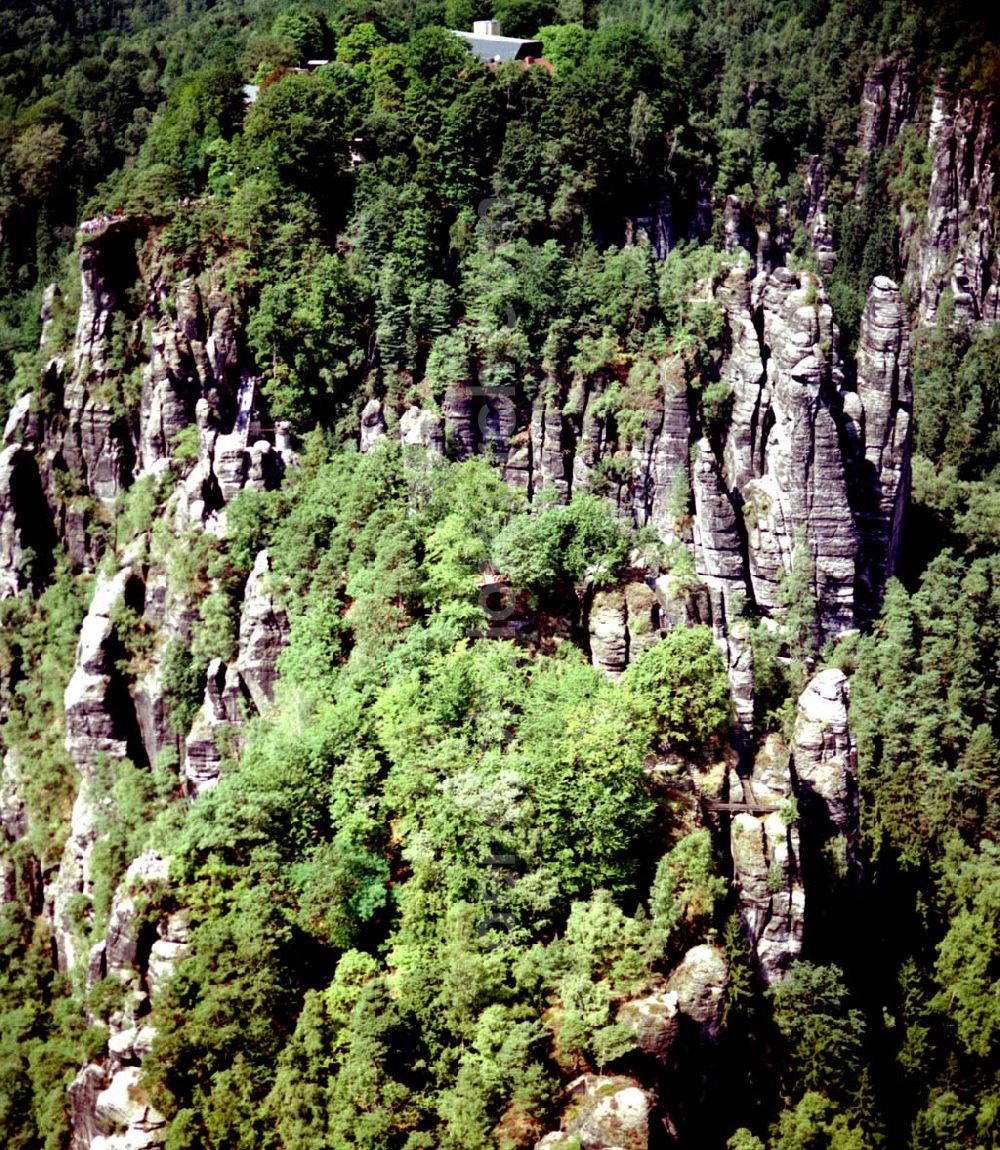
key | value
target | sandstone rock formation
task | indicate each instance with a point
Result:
(699, 984)
(25, 532)
(888, 101)
(96, 719)
(224, 710)
(824, 762)
(109, 1108)
(606, 1113)
(765, 851)
(882, 478)
(955, 247)
(622, 622)
(263, 635)
(372, 424)
(653, 1019)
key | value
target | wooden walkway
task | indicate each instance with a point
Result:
(735, 808)
(750, 803)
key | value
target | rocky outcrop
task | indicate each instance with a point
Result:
(263, 635)
(824, 765)
(653, 1019)
(550, 443)
(223, 712)
(95, 445)
(124, 1106)
(622, 622)
(99, 722)
(765, 849)
(955, 247)
(27, 540)
(93, 724)
(888, 101)
(881, 418)
(608, 629)
(110, 1110)
(699, 984)
(798, 493)
(818, 226)
(372, 424)
(421, 428)
(176, 377)
(801, 805)
(660, 462)
(606, 1113)
(718, 550)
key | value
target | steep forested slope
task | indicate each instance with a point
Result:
(501, 612)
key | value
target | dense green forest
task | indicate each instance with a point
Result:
(435, 870)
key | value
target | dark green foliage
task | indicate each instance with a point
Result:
(183, 685)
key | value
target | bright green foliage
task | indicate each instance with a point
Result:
(183, 685)
(679, 685)
(685, 890)
(815, 1124)
(559, 544)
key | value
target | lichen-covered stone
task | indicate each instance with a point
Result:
(699, 986)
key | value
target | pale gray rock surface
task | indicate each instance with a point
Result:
(263, 635)
(225, 709)
(605, 1113)
(372, 424)
(608, 627)
(955, 246)
(888, 101)
(824, 755)
(653, 1020)
(885, 394)
(549, 451)
(766, 864)
(699, 984)
(125, 1115)
(421, 428)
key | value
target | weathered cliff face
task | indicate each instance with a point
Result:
(804, 468)
(824, 766)
(605, 1113)
(817, 221)
(224, 711)
(622, 622)
(95, 445)
(182, 347)
(888, 101)
(193, 432)
(99, 721)
(881, 419)
(27, 537)
(954, 249)
(767, 874)
(801, 804)
(109, 1108)
(263, 634)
